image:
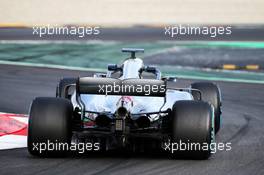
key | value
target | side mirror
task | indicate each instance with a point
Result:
(151, 69)
(170, 79)
(112, 67)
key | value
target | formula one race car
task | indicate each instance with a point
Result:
(124, 109)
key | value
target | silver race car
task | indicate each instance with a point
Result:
(131, 107)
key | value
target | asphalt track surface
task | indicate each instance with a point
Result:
(243, 122)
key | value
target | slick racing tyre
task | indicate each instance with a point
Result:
(63, 87)
(192, 129)
(211, 94)
(49, 123)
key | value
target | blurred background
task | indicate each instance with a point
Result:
(132, 12)
(137, 23)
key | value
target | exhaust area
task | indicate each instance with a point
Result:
(103, 121)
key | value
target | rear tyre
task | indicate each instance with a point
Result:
(192, 125)
(211, 94)
(49, 122)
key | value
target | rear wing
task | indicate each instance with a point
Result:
(112, 86)
(127, 87)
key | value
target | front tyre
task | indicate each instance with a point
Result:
(211, 94)
(49, 122)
